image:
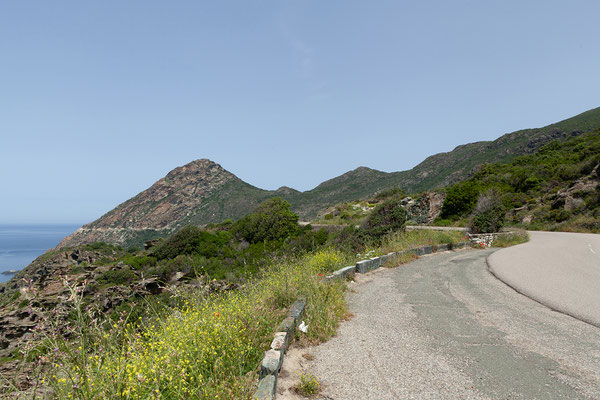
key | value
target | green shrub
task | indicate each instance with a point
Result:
(327, 260)
(308, 240)
(388, 193)
(193, 240)
(559, 215)
(139, 262)
(460, 200)
(117, 276)
(387, 217)
(350, 238)
(272, 220)
(488, 215)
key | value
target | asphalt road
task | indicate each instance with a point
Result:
(443, 327)
(560, 270)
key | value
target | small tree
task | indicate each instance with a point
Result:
(488, 215)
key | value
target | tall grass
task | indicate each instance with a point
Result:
(399, 241)
(208, 347)
(508, 239)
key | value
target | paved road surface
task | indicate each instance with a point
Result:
(444, 328)
(560, 270)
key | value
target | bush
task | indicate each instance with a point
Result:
(193, 240)
(488, 215)
(308, 240)
(117, 276)
(139, 262)
(327, 260)
(350, 238)
(102, 247)
(460, 200)
(272, 220)
(559, 215)
(387, 217)
(387, 193)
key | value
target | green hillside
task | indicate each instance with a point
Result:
(440, 169)
(557, 188)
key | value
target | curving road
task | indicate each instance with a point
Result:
(443, 327)
(560, 270)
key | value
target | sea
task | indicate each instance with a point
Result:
(21, 244)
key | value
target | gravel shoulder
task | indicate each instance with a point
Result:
(443, 327)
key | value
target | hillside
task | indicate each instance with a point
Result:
(556, 188)
(440, 169)
(447, 168)
(202, 191)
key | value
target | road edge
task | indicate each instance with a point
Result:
(561, 310)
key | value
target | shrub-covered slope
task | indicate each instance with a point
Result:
(556, 188)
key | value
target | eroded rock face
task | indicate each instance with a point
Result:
(424, 209)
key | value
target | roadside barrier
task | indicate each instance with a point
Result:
(273, 359)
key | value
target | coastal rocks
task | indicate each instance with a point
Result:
(14, 326)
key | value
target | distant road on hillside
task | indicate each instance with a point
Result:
(436, 228)
(560, 270)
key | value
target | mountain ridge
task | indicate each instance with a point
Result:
(202, 191)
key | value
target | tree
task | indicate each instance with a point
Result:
(271, 220)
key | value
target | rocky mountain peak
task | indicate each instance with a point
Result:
(196, 168)
(162, 207)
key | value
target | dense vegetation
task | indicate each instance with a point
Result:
(197, 341)
(555, 188)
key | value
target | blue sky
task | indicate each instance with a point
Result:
(101, 99)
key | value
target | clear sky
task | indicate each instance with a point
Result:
(99, 99)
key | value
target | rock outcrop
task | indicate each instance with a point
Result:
(425, 209)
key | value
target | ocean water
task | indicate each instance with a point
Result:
(21, 244)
